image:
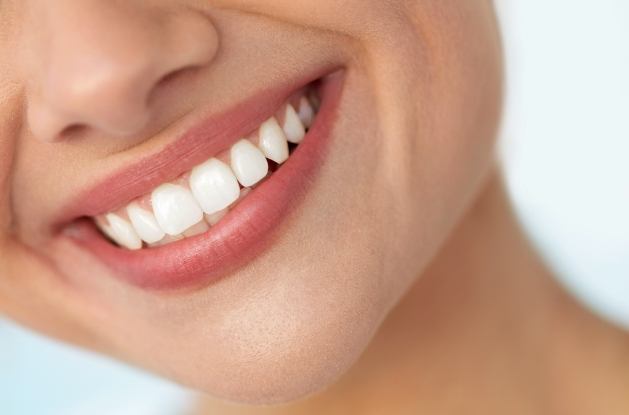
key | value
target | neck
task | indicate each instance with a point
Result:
(484, 330)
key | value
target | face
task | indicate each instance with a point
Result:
(234, 194)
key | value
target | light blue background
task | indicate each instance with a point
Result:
(565, 146)
(566, 139)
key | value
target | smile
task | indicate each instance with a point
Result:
(222, 210)
(201, 197)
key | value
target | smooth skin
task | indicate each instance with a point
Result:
(425, 297)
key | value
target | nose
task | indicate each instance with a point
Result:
(99, 62)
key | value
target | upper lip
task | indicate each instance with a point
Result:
(214, 133)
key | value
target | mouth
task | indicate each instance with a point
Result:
(238, 179)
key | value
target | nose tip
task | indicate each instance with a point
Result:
(100, 74)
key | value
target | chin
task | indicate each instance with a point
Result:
(280, 360)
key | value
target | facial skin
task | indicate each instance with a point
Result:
(82, 94)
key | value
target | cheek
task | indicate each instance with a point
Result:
(439, 95)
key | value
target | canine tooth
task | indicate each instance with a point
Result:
(293, 127)
(175, 208)
(123, 233)
(197, 229)
(214, 185)
(306, 113)
(248, 163)
(273, 141)
(145, 224)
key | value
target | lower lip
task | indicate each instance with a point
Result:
(247, 230)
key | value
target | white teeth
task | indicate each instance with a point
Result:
(214, 185)
(306, 113)
(273, 141)
(122, 232)
(175, 208)
(293, 127)
(145, 224)
(248, 163)
(181, 209)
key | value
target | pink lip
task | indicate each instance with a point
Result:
(245, 232)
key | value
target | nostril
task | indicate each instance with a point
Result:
(170, 81)
(71, 131)
(169, 77)
(176, 76)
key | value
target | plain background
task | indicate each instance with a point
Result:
(566, 156)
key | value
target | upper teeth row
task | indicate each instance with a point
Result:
(201, 197)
